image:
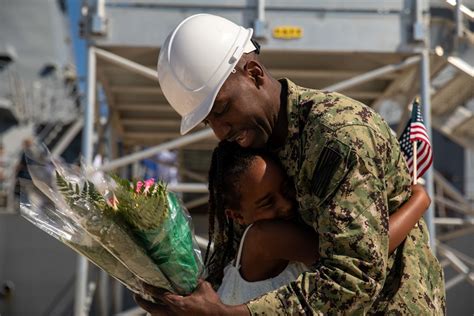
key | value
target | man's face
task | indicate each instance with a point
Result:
(242, 112)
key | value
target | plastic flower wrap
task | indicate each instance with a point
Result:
(42, 212)
(139, 226)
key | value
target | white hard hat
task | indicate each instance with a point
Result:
(196, 59)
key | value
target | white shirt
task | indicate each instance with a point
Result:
(234, 290)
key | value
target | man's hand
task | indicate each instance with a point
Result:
(204, 301)
(156, 309)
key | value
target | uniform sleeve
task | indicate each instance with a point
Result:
(399, 187)
(353, 233)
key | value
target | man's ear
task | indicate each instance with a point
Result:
(255, 71)
(236, 216)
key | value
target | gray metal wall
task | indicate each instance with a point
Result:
(39, 266)
(460, 297)
(322, 22)
(37, 31)
(2, 251)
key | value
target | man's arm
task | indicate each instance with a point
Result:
(353, 239)
(271, 243)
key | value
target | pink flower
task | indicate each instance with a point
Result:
(148, 184)
(139, 186)
(113, 202)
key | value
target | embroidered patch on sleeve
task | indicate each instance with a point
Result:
(326, 167)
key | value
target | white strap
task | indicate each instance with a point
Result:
(239, 253)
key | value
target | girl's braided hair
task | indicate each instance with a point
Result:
(229, 162)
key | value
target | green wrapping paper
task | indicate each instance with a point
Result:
(171, 247)
(163, 227)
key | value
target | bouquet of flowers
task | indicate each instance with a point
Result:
(134, 230)
(37, 208)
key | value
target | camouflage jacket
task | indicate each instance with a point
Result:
(350, 175)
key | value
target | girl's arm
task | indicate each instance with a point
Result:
(270, 244)
(405, 218)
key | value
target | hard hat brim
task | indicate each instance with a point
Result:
(192, 119)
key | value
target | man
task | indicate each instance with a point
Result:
(346, 165)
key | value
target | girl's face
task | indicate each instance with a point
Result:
(264, 193)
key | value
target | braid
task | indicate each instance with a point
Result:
(229, 162)
(220, 191)
(229, 248)
(216, 210)
(212, 205)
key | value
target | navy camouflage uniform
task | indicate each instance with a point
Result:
(350, 175)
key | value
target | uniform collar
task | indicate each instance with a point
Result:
(289, 153)
(292, 105)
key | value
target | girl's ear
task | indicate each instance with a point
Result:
(234, 215)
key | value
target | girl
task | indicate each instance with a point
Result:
(248, 188)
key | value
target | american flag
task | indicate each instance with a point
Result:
(416, 131)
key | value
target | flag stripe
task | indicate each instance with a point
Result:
(416, 131)
(427, 157)
(423, 163)
(425, 166)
